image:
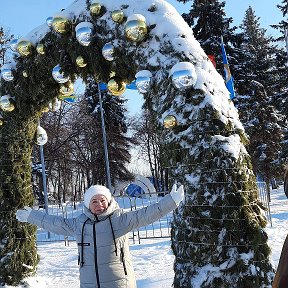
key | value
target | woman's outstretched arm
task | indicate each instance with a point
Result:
(51, 223)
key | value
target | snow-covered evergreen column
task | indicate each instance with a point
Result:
(18, 251)
(218, 236)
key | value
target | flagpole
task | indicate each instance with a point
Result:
(228, 77)
(286, 39)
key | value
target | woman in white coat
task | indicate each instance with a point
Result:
(102, 234)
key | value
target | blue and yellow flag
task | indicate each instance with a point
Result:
(228, 77)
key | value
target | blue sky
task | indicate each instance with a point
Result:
(22, 16)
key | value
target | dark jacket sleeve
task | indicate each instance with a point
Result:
(134, 219)
(55, 224)
(286, 183)
(281, 277)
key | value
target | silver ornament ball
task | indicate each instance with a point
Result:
(13, 45)
(41, 136)
(58, 76)
(143, 84)
(6, 104)
(84, 33)
(183, 79)
(183, 75)
(49, 21)
(108, 52)
(7, 74)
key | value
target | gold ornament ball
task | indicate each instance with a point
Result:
(112, 74)
(24, 48)
(9, 108)
(116, 87)
(136, 30)
(60, 24)
(6, 105)
(25, 74)
(80, 62)
(40, 48)
(118, 16)
(170, 121)
(66, 89)
(1, 122)
(45, 109)
(95, 8)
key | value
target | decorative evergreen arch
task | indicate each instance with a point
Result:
(221, 223)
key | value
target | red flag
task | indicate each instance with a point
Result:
(212, 59)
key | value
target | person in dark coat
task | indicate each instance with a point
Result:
(102, 234)
(281, 276)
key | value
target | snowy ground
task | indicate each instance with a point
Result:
(153, 259)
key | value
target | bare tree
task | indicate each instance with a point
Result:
(5, 38)
(149, 136)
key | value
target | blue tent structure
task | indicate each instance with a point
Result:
(140, 186)
(134, 190)
(143, 185)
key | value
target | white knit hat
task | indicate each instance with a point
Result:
(95, 190)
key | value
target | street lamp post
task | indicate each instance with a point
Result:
(44, 182)
(104, 141)
(44, 178)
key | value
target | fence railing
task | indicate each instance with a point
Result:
(158, 229)
(264, 199)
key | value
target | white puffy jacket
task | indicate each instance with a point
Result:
(103, 243)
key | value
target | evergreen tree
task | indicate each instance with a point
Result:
(118, 143)
(261, 121)
(257, 57)
(282, 26)
(209, 22)
(255, 84)
(280, 99)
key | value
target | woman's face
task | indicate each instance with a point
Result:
(98, 204)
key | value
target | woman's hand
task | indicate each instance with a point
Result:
(177, 194)
(23, 214)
